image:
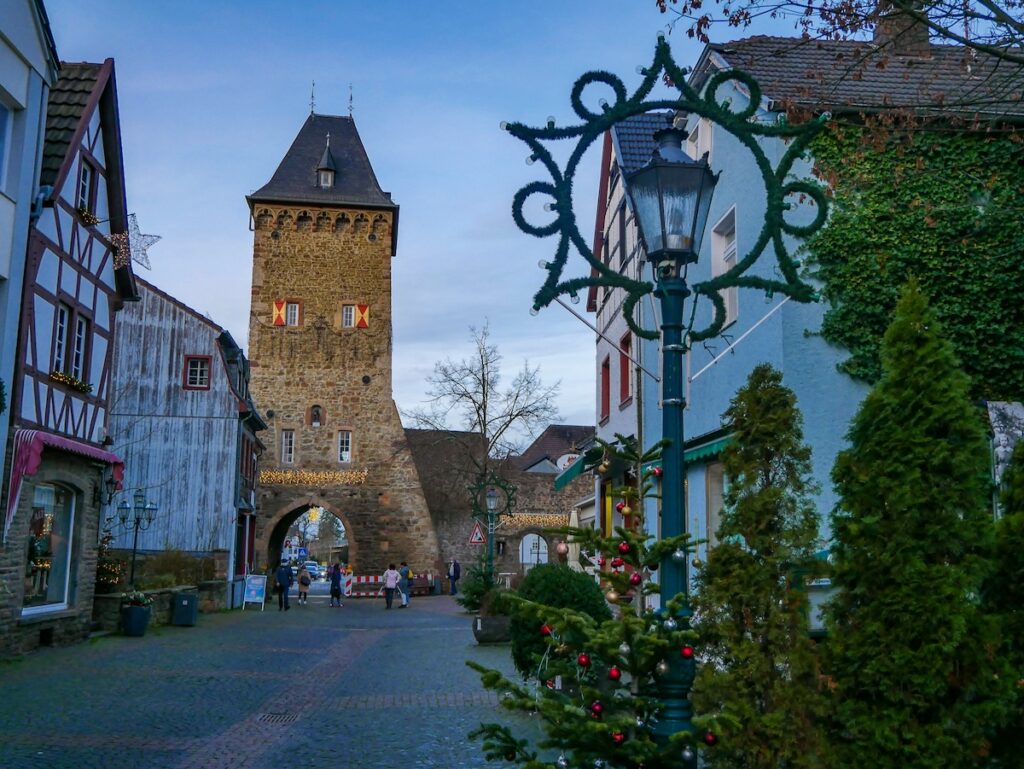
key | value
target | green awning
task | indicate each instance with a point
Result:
(707, 450)
(569, 474)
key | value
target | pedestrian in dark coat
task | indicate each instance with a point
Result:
(454, 572)
(336, 576)
(282, 584)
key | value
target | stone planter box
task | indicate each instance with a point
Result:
(492, 630)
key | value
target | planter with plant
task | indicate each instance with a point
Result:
(492, 624)
(135, 612)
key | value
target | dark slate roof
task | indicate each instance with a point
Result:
(294, 181)
(68, 99)
(555, 441)
(634, 138)
(859, 76)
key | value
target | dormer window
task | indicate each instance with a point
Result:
(325, 168)
(326, 178)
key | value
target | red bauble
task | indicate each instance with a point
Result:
(545, 629)
(620, 507)
(583, 660)
(658, 472)
(601, 561)
(710, 738)
(614, 673)
(618, 738)
(623, 547)
(617, 562)
(635, 578)
(550, 683)
(687, 652)
(597, 709)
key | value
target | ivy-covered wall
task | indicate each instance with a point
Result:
(947, 207)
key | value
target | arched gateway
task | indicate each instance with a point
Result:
(324, 235)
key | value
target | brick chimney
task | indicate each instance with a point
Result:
(900, 33)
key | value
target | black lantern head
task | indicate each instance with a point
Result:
(671, 197)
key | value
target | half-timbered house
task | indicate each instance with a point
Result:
(60, 467)
(182, 417)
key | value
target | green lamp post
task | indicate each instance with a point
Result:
(671, 199)
(491, 488)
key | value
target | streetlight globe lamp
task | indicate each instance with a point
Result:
(139, 517)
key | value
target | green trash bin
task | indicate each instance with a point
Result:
(186, 609)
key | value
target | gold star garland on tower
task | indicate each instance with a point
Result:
(314, 477)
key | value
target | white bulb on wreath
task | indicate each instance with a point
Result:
(670, 624)
(562, 762)
(624, 649)
(687, 753)
(661, 668)
(679, 555)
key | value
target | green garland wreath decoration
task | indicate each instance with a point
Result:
(740, 124)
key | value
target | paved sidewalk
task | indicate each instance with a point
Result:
(314, 687)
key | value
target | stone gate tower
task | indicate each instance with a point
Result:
(320, 351)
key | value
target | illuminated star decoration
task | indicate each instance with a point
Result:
(139, 243)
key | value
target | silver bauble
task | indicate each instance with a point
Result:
(624, 649)
(562, 762)
(661, 668)
(679, 555)
(640, 723)
(687, 753)
(670, 624)
(599, 763)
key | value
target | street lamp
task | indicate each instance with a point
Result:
(139, 517)
(490, 488)
(671, 196)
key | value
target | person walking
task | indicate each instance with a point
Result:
(407, 576)
(305, 580)
(282, 584)
(391, 579)
(454, 572)
(335, 577)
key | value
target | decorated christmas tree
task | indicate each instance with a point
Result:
(761, 665)
(595, 686)
(911, 650)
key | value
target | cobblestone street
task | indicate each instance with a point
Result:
(313, 687)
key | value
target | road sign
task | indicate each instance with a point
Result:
(303, 552)
(477, 537)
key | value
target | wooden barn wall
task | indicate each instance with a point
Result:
(180, 446)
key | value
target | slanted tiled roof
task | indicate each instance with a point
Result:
(555, 441)
(68, 99)
(847, 75)
(634, 138)
(295, 180)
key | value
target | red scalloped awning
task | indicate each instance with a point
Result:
(28, 455)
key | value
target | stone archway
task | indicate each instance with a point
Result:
(273, 526)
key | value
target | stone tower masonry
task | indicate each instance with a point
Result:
(320, 350)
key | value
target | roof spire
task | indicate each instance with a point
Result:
(312, 99)
(350, 100)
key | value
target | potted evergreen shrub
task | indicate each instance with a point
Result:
(492, 624)
(135, 612)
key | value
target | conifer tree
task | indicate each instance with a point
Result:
(1005, 599)
(761, 666)
(595, 687)
(910, 650)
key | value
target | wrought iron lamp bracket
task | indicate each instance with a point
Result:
(779, 183)
(484, 482)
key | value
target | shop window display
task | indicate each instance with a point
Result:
(48, 566)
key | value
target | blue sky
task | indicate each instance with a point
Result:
(212, 94)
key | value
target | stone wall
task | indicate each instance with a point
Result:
(322, 259)
(20, 634)
(106, 615)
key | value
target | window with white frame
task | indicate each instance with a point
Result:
(78, 354)
(698, 143)
(291, 314)
(344, 445)
(50, 561)
(197, 372)
(723, 259)
(714, 494)
(348, 315)
(287, 447)
(62, 333)
(326, 178)
(86, 174)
